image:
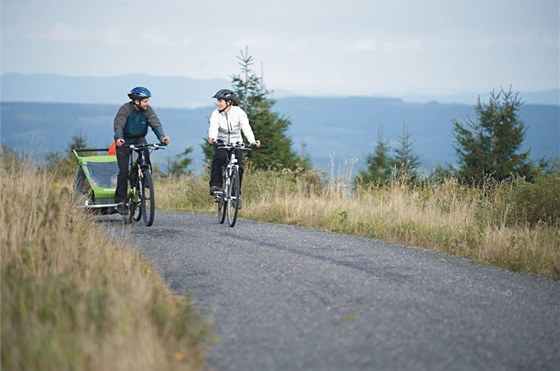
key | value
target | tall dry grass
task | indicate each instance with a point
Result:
(449, 217)
(72, 298)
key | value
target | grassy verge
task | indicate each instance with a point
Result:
(74, 300)
(451, 218)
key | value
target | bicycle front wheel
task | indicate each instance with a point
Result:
(233, 197)
(222, 205)
(221, 201)
(148, 201)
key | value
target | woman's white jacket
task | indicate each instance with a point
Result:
(227, 126)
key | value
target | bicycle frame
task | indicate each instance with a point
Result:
(137, 164)
(228, 198)
(141, 202)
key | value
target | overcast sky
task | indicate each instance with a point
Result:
(387, 48)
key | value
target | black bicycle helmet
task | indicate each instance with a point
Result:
(225, 94)
(139, 92)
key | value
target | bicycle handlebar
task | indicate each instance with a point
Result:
(237, 145)
(154, 146)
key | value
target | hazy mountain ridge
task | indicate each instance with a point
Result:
(182, 92)
(332, 129)
(41, 112)
(350, 127)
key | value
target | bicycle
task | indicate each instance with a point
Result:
(140, 202)
(228, 198)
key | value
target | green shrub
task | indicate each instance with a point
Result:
(532, 203)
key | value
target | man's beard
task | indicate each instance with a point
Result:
(140, 108)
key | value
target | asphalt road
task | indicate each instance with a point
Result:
(291, 298)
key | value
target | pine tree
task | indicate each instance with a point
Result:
(405, 162)
(180, 166)
(268, 126)
(378, 165)
(488, 147)
(65, 163)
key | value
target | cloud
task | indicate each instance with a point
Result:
(361, 45)
(254, 41)
(530, 40)
(379, 44)
(112, 36)
(404, 45)
(62, 32)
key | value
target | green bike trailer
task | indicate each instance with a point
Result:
(96, 179)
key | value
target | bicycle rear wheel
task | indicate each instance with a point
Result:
(233, 197)
(147, 198)
(133, 209)
(137, 212)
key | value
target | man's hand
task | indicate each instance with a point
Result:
(257, 143)
(211, 140)
(119, 142)
(165, 140)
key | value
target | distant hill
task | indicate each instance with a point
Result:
(331, 130)
(348, 127)
(41, 112)
(181, 92)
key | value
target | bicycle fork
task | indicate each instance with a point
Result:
(232, 164)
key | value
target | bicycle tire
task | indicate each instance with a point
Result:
(147, 198)
(233, 197)
(222, 206)
(135, 210)
(127, 216)
(221, 203)
(130, 210)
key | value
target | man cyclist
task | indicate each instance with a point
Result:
(131, 127)
(227, 122)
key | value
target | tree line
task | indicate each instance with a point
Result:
(487, 147)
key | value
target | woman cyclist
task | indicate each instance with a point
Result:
(227, 122)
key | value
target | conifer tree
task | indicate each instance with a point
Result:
(65, 163)
(405, 162)
(180, 166)
(378, 165)
(268, 126)
(489, 146)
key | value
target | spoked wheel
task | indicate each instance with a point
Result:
(126, 215)
(136, 212)
(221, 199)
(133, 211)
(147, 199)
(222, 205)
(130, 212)
(233, 197)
